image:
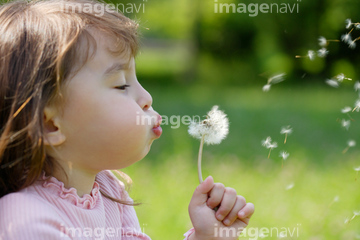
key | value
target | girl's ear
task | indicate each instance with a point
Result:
(53, 135)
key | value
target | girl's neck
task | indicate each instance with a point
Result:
(81, 180)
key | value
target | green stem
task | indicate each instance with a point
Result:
(199, 159)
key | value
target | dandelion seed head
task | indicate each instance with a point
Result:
(322, 42)
(272, 145)
(286, 130)
(340, 77)
(348, 23)
(332, 83)
(282, 235)
(357, 86)
(262, 235)
(214, 128)
(266, 87)
(336, 198)
(357, 105)
(346, 38)
(276, 78)
(352, 44)
(311, 55)
(345, 124)
(323, 52)
(266, 142)
(284, 155)
(351, 143)
(290, 186)
(346, 109)
(357, 169)
(357, 25)
(356, 213)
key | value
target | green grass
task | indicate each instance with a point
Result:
(165, 180)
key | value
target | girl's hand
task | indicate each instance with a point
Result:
(228, 221)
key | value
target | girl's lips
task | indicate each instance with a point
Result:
(157, 129)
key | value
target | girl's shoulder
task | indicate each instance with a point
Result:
(111, 184)
(21, 210)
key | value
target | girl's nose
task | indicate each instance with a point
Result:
(145, 99)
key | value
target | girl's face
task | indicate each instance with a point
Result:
(107, 118)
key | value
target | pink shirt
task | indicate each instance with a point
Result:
(48, 211)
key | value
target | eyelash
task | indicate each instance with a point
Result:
(123, 87)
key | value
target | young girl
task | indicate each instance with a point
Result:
(69, 100)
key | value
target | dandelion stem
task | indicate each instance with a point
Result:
(285, 138)
(269, 153)
(345, 150)
(199, 159)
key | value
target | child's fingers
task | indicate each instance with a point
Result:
(246, 212)
(227, 203)
(233, 215)
(200, 195)
(215, 196)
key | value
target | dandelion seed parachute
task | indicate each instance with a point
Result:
(332, 83)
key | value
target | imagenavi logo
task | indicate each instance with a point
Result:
(253, 9)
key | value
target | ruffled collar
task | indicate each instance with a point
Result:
(88, 201)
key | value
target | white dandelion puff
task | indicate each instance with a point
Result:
(266, 87)
(348, 23)
(271, 146)
(322, 42)
(262, 235)
(266, 142)
(212, 130)
(332, 83)
(276, 78)
(352, 44)
(345, 124)
(311, 55)
(323, 52)
(357, 86)
(346, 38)
(357, 169)
(350, 143)
(357, 105)
(335, 200)
(273, 80)
(287, 131)
(341, 77)
(355, 214)
(290, 186)
(284, 155)
(346, 109)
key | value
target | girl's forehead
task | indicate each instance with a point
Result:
(106, 50)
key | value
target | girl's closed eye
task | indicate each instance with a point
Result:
(122, 87)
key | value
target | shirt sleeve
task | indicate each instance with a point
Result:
(24, 218)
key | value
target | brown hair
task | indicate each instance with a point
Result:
(40, 43)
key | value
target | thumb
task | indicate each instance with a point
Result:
(201, 192)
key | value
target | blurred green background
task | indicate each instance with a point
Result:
(192, 58)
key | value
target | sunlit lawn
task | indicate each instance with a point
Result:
(165, 180)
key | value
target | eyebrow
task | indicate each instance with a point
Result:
(115, 68)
